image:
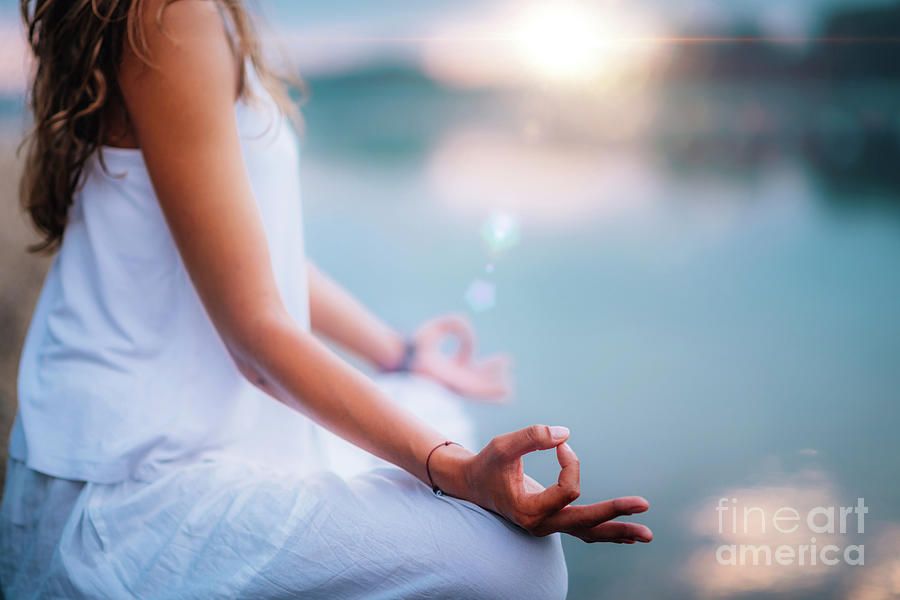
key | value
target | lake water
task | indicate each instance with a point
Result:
(706, 333)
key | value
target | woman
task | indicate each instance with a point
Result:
(170, 393)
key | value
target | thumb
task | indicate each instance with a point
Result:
(530, 439)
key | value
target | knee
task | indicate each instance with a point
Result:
(558, 573)
(525, 568)
(542, 572)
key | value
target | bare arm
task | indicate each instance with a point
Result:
(337, 315)
(182, 109)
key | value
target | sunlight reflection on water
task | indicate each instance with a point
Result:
(748, 520)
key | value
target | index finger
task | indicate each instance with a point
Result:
(567, 488)
(459, 327)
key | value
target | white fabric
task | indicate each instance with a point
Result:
(222, 528)
(122, 374)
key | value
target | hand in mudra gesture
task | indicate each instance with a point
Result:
(495, 480)
(483, 379)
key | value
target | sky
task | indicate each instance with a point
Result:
(340, 35)
(410, 15)
(413, 14)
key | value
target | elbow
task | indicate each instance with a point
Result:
(252, 344)
(249, 371)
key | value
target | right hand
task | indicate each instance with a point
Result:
(483, 379)
(496, 481)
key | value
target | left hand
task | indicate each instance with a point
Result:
(494, 479)
(487, 380)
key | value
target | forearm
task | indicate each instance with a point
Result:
(303, 373)
(296, 368)
(338, 316)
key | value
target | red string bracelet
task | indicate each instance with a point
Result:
(437, 491)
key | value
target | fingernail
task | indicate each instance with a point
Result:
(558, 432)
(643, 539)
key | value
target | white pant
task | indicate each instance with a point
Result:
(231, 531)
(226, 529)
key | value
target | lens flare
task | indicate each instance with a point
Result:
(500, 232)
(481, 295)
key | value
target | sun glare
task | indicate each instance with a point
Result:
(562, 41)
(576, 41)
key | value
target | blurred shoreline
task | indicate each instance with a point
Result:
(21, 274)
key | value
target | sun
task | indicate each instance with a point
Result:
(576, 41)
(562, 41)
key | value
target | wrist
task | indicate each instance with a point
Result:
(450, 470)
(396, 355)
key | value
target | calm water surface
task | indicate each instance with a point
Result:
(704, 335)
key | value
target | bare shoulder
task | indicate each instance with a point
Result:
(186, 50)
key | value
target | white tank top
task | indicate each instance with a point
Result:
(122, 375)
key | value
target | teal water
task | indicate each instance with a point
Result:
(705, 332)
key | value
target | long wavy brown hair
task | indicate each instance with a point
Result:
(78, 46)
